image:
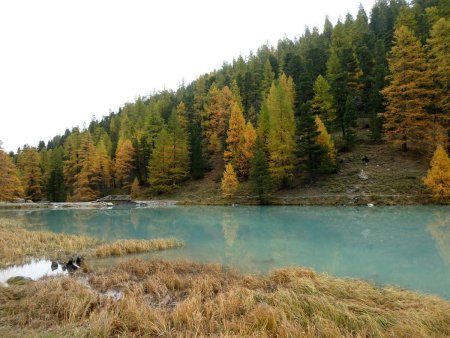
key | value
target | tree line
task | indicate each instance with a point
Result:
(279, 113)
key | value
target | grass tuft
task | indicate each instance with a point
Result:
(134, 246)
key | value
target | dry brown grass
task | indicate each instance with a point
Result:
(187, 299)
(19, 245)
(133, 246)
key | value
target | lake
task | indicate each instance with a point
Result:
(405, 246)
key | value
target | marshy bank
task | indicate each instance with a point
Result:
(19, 246)
(157, 298)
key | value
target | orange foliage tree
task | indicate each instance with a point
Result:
(406, 121)
(10, 186)
(438, 176)
(229, 182)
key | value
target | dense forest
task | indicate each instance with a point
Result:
(278, 115)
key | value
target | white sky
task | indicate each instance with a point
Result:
(63, 61)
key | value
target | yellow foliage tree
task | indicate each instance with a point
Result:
(235, 135)
(229, 182)
(10, 186)
(31, 173)
(124, 163)
(280, 141)
(438, 176)
(218, 108)
(87, 181)
(406, 120)
(325, 140)
(247, 150)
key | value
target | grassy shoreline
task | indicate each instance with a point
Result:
(19, 246)
(172, 299)
(158, 298)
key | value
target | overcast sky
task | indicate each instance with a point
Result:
(63, 61)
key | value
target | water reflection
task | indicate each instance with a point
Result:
(439, 229)
(407, 246)
(34, 270)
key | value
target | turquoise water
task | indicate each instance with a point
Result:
(405, 246)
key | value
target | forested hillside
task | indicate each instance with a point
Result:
(277, 116)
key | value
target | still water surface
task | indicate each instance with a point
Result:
(405, 246)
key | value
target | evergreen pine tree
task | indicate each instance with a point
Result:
(259, 177)
(309, 152)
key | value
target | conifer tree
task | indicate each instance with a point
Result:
(217, 112)
(104, 167)
(322, 103)
(235, 135)
(229, 182)
(309, 152)
(438, 58)
(268, 78)
(72, 164)
(438, 176)
(342, 73)
(197, 161)
(406, 120)
(247, 150)
(170, 160)
(182, 115)
(10, 185)
(237, 94)
(329, 163)
(264, 126)
(30, 172)
(260, 179)
(160, 163)
(87, 181)
(350, 121)
(281, 143)
(56, 191)
(124, 164)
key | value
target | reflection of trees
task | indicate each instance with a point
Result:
(439, 229)
(230, 228)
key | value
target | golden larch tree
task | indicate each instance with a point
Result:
(406, 121)
(10, 186)
(324, 139)
(218, 108)
(124, 164)
(87, 181)
(280, 141)
(31, 174)
(438, 176)
(247, 150)
(229, 182)
(235, 135)
(439, 60)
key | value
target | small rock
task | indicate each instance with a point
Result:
(363, 175)
(370, 205)
(54, 266)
